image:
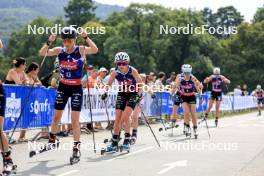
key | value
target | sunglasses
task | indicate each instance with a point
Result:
(67, 40)
(122, 64)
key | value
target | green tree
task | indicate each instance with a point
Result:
(26, 44)
(228, 17)
(78, 12)
(259, 16)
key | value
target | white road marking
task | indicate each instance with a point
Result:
(182, 163)
(68, 173)
(132, 153)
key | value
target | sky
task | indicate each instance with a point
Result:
(247, 7)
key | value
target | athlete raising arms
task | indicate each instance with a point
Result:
(71, 61)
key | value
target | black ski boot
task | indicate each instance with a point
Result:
(133, 137)
(76, 154)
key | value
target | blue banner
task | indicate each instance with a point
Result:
(29, 107)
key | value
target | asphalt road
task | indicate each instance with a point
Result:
(236, 148)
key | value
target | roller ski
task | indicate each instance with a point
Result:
(188, 131)
(195, 132)
(9, 168)
(184, 129)
(170, 126)
(75, 158)
(126, 145)
(112, 147)
(52, 145)
(133, 138)
(259, 113)
(216, 122)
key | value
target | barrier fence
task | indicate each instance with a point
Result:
(35, 106)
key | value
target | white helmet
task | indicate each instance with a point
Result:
(186, 69)
(216, 71)
(121, 57)
(258, 87)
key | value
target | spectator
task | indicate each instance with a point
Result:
(55, 78)
(92, 83)
(101, 76)
(161, 77)
(17, 76)
(171, 79)
(245, 90)
(150, 80)
(32, 74)
(108, 76)
(237, 91)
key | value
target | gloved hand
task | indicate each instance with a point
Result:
(138, 98)
(104, 96)
(153, 96)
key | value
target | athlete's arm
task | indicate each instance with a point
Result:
(110, 80)
(1, 44)
(197, 85)
(92, 48)
(208, 79)
(227, 81)
(138, 79)
(50, 52)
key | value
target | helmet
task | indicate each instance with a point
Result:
(258, 86)
(68, 33)
(186, 69)
(121, 57)
(216, 71)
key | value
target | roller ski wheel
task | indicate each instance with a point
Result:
(133, 140)
(75, 158)
(188, 132)
(9, 169)
(160, 129)
(124, 147)
(109, 149)
(195, 132)
(216, 122)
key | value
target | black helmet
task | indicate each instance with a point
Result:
(68, 33)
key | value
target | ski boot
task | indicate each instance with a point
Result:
(126, 143)
(195, 132)
(9, 168)
(216, 121)
(133, 137)
(53, 142)
(188, 131)
(75, 158)
(184, 128)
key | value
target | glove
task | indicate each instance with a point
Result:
(104, 96)
(153, 96)
(138, 98)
